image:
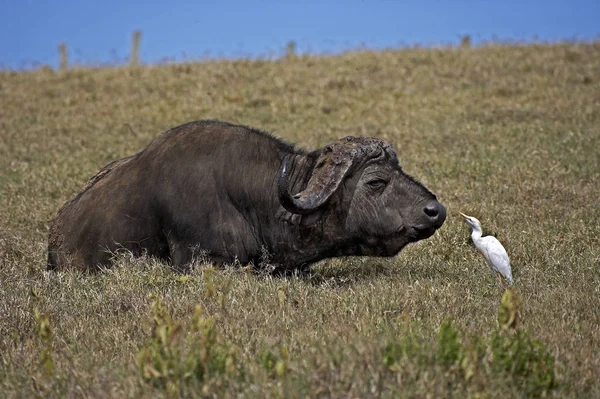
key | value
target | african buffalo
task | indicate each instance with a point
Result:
(237, 194)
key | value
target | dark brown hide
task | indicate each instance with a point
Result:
(234, 193)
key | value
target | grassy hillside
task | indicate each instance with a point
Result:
(510, 134)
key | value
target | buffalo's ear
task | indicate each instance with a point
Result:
(287, 216)
(296, 219)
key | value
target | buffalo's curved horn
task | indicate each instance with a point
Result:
(285, 198)
(324, 182)
(329, 172)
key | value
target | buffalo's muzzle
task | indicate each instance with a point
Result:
(435, 213)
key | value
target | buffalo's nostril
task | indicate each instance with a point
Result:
(435, 211)
(431, 210)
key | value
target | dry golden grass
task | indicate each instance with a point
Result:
(509, 134)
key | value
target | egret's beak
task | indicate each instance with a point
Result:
(465, 216)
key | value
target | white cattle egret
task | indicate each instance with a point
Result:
(494, 253)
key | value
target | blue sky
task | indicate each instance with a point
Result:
(99, 32)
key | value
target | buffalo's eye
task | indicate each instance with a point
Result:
(377, 184)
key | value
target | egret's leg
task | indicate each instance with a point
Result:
(501, 279)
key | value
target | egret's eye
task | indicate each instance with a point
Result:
(377, 184)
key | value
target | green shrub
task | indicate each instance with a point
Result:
(522, 364)
(44, 334)
(275, 365)
(181, 356)
(405, 348)
(449, 349)
(524, 360)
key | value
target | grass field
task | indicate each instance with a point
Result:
(509, 134)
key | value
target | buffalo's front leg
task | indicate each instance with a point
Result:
(181, 254)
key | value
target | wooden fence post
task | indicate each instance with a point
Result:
(64, 58)
(135, 49)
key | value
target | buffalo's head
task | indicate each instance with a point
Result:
(379, 207)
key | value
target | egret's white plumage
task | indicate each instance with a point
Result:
(494, 253)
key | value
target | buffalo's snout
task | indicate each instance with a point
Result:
(435, 213)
